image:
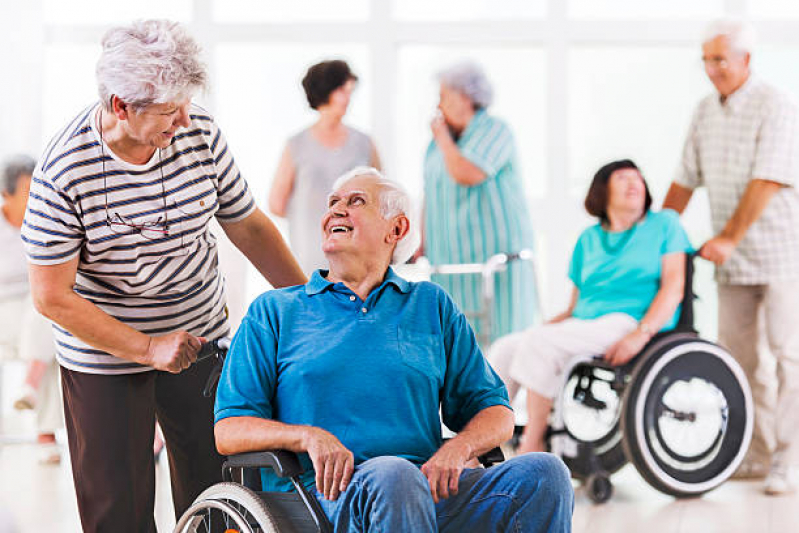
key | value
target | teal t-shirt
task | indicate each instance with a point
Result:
(619, 272)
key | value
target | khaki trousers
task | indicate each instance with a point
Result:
(752, 318)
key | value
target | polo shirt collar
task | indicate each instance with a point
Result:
(318, 284)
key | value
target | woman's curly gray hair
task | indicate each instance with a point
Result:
(469, 79)
(149, 62)
(394, 200)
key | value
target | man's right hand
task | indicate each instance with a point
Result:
(174, 352)
(332, 461)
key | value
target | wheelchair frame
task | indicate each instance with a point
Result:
(628, 440)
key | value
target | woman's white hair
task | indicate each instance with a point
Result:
(740, 34)
(469, 79)
(149, 62)
(394, 200)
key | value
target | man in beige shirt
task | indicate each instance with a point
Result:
(742, 146)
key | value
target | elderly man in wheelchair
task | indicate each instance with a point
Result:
(621, 374)
(353, 372)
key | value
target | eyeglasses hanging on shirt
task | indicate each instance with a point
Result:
(149, 229)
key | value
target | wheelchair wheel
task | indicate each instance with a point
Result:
(590, 407)
(688, 415)
(227, 508)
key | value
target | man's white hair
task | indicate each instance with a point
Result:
(469, 79)
(740, 33)
(394, 200)
(149, 62)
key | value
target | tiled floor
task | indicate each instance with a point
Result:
(40, 498)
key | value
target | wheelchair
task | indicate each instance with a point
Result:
(681, 412)
(237, 505)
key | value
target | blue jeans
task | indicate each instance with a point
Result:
(531, 492)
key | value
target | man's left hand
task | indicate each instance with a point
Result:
(443, 470)
(718, 249)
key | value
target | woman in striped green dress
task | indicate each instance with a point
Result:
(474, 201)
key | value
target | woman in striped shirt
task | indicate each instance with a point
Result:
(123, 261)
(474, 200)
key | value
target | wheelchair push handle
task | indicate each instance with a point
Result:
(216, 348)
(211, 348)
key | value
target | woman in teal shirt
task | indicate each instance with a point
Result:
(628, 273)
(474, 200)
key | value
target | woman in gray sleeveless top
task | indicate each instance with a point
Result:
(315, 157)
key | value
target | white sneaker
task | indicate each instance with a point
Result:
(782, 480)
(26, 400)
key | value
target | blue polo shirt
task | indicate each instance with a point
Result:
(373, 373)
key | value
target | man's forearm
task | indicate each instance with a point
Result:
(677, 198)
(752, 204)
(241, 434)
(488, 429)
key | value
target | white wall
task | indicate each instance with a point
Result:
(580, 81)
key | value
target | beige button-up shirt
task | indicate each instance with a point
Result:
(753, 134)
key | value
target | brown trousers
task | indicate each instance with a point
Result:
(110, 423)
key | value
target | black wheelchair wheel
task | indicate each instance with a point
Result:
(590, 404)
(227, 508)
(687, 416)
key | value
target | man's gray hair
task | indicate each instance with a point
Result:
(14, 168)
(394, 200)
(149, 62)
(740, 33)
(469, 79)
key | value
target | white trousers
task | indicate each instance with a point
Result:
(26, 334)
(751, 316)
(537, 357)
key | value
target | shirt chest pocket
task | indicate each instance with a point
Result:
(422, 351)
(193, 210)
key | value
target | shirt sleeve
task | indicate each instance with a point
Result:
(689, 173)
(235, 198)
(470, 384)
(246, 386)
(52, 230)
(491, 147)
(777, 157)
(675, 238)
(576, 263)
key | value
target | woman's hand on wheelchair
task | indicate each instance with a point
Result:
(332, 461)
(174, 352)
(443, 470)
(627, 348)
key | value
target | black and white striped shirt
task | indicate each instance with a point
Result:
(159, 279)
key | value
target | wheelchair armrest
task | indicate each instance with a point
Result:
(492, 457)
(283, 462)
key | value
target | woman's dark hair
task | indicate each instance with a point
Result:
(324, 78)
(596, 201)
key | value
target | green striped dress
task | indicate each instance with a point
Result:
(470, 224)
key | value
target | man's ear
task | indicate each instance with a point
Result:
(399, 229)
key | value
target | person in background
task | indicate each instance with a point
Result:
(742, 146)
(315, 157)
(474, 203)
(23, 329)
(123, 261)
(628, 275)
